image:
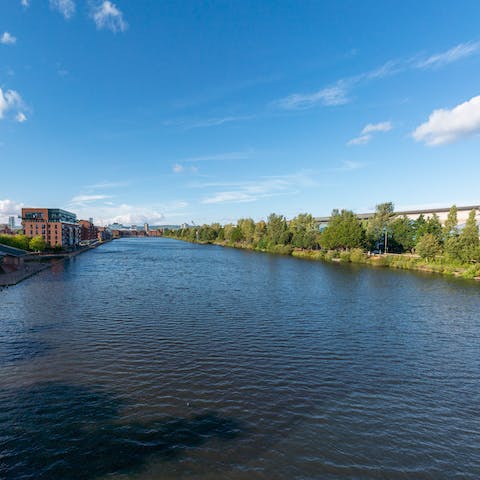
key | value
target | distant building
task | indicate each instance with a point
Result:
(11, 223)
(442, 214)
(57, 227)
(145, 228)
(103, 234)
(88, 231)
(5, 229)
(117, 226)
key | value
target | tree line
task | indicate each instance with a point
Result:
(35, 244)
(383, 232)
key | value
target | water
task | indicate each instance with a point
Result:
(157, 359)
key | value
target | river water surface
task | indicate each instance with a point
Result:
(158, 359)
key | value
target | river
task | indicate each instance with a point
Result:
(159, 359)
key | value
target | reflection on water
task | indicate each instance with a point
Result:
(63, 431)
(152, 358)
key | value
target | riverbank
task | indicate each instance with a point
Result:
(404, 261)
(36, 263)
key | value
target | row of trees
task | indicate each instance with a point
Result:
(35, 244)
(384, 231)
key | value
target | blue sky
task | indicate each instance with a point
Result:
(172, 111)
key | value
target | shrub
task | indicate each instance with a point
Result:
(357, 255)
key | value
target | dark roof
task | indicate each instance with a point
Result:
(12, 251)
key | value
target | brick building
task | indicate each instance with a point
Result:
(57, 227)
(88, 231)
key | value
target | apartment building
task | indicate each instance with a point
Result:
(88, 231)
(57, 227)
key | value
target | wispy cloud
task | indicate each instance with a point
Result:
(20, 117)
(208, 122)
(107, 184)
(349, 166)
(339, 92)
(25, 3)
(377, 127)
(107, 15)
(178, 168)
(367, 132)
(221, 156)
(329, 96)
(65, 7)
(11, 101)
(264, 187)
(88, 198)
(361, 140)
(454, 54)
(448, 126)
(8, 39)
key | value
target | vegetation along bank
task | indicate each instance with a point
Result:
(422, 244)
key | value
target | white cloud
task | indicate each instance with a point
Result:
(367, 132)
(88, 198)
(7, 39)
(65, 7)
(20, 117)
(9, 101)
(447, 126)
(329, 96)
(361, 140)
(178, 168)
(338, 92)
(458, 52)
(9, 208)
(377, 127)
(128, 214)
(25, 3)
(106, 15)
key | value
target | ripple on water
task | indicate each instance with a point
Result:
(159, 359)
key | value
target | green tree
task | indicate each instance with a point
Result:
(434, 227)
(236, 235)
(428, 246)
(277, 230)
(206, 233)
(228, 229)
(259, 238)
(17, 241)
(37, 244)
(344, 231)
(469, 238)
(378, 228)
(450, 229)
(403, 235)
(247, 226)
(304, 231)
(465, 247)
